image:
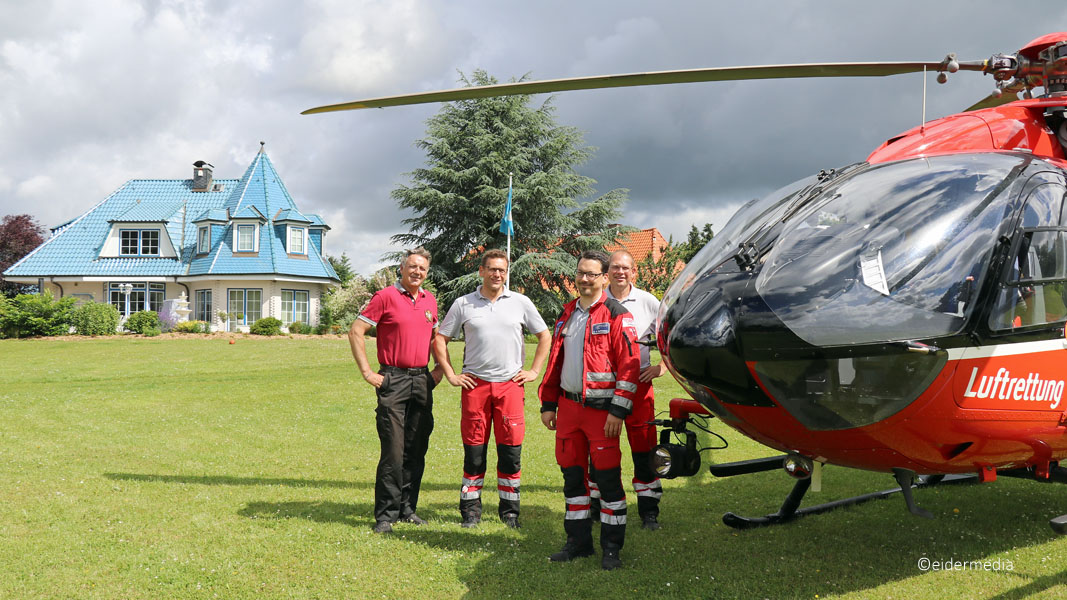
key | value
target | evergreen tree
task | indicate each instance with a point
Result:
(698, 238)
(458, 198)
(342, 266)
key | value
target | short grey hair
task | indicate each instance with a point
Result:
(420, 251)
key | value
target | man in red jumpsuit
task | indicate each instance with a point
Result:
(588, 391)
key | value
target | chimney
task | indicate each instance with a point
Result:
(202, 176)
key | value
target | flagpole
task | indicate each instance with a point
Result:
(507, 279)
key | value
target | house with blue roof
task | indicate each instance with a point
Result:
(237, 249)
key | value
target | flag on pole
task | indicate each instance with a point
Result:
(506, 225)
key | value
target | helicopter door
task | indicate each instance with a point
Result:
(1033, 286)
(1026, 375)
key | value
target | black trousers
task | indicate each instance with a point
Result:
(405, 421)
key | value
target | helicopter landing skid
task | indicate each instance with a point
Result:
(790, 510)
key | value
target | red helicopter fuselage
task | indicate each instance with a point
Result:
(771, 328)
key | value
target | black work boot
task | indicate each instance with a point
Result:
(610, 561)
(572, 550)
(579, 541)
(650, 522)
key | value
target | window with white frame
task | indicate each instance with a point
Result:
(139, 242)
(203, 306)
(295, 306)
(130, 242)
(156, 293)
(296, 240)
(244, 306)
(203, 239)
(128, 298)
(246, 238)
(149, 242)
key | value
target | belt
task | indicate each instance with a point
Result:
(411, 371)
(572, 396)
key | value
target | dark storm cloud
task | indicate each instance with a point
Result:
(99, 93)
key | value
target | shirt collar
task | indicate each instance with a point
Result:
(397, 285)
(629, 293)
(503, 294)
(578, 303)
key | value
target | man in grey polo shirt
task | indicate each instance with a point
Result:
(622, 272)
(491, 319)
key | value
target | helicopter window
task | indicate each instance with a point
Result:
(1034, 286)
(748, 219)
(1043, 206)
(895, 252)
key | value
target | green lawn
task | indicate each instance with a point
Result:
(193, 468)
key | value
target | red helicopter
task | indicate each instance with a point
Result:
(902, 314)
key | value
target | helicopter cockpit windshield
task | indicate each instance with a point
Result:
(895, 252)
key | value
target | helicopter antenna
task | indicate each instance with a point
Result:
(922, 124)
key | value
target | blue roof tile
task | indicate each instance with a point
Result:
(290, 214)
(213, 214)
(149, 212)
(316, 221)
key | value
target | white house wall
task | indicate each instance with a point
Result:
(272, 297)
(97, 291)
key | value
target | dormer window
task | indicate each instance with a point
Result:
(296, 240)
(203, 239)
(139, 242)
(246, 238)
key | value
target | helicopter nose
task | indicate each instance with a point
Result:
(702, 343)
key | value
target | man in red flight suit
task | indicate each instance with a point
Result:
(587, 393)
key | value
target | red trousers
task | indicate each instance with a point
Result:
(579, 438)
(642, 437)
(491, 405)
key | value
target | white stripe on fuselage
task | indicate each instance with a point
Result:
(1007, 384)
(1006, 349)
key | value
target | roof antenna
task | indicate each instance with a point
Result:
(922, 125)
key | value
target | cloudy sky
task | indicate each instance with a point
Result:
(95, 93)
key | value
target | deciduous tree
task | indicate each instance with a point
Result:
(19, 234)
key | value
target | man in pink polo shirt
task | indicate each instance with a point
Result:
(406, 318)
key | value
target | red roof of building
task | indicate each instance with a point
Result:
(642, 243)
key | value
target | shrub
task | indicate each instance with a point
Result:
(191, 327)
(151, 331)
(167, 321)
(301, 328)
(6, 308)
(36, 314)
(342, 305)
(323, 328)
(95, 318)
(139, 321)
(266, 326)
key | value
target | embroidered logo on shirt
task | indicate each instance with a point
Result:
(627, 322)
(429, 317)
(601, 328)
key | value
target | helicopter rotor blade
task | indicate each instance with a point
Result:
(1009, 93)
(867, 69)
